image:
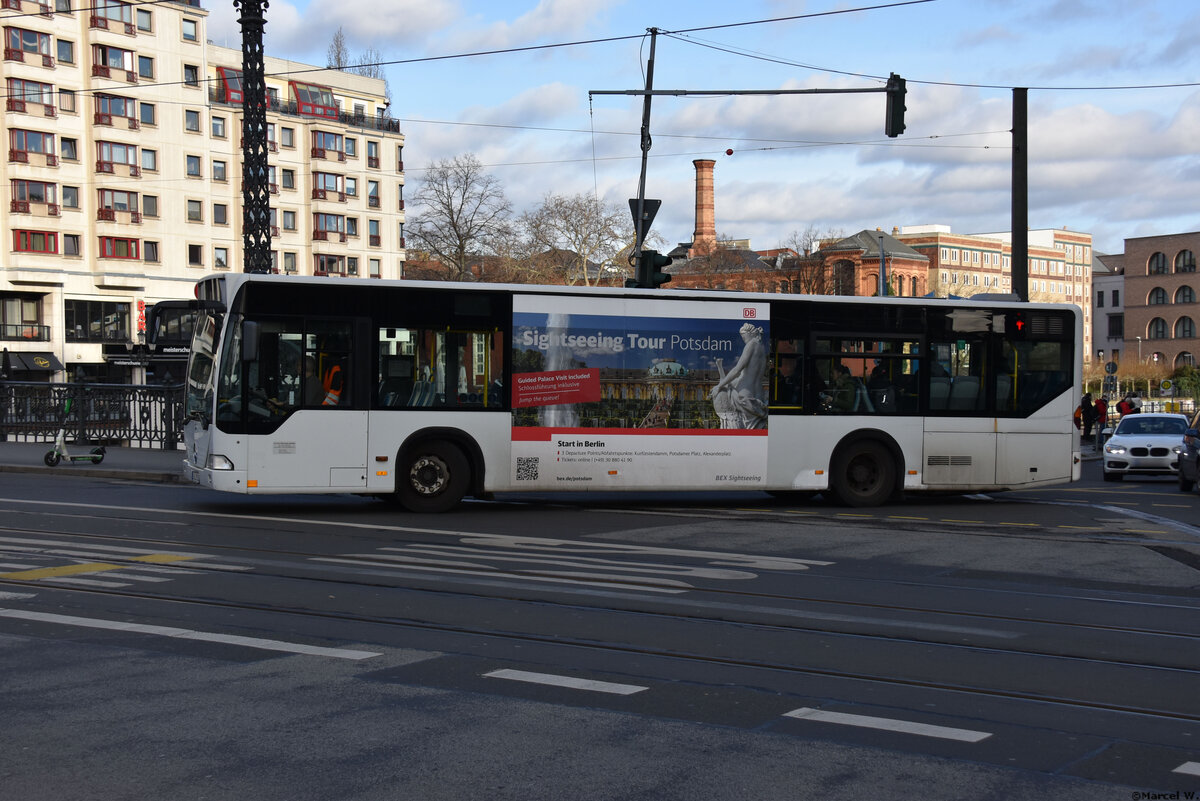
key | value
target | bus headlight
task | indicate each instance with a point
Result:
(218, 462)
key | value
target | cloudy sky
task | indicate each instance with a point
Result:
(1114, 105)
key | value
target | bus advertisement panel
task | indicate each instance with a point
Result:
(628, 393)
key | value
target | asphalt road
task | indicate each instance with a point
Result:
(160, 640)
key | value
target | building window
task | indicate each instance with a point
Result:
(218, 171)
(193, 166)
(145, 20)
(191, 75)
(150, 160)
(289, 262)
(35, 241)
(146, 67)
(1185, 294)
(373, 233)
(1185, 262)
(150, 205)
(113, 247)
(1157, 329)
(146, 112)
(313, 100)
(351, 187)
(289, 220)
(66, 52)
(218, 127)
(189, 30)
(118, 200)
(1100, 299)
(220, 214)
(70, 197)
(221, 258)
(195, 211)
(1185, 328)
(1157, 296)
(191, 120)
(150, 252)
(70, 244)
(195, 255)
(287, 137)
(352, 265)
(351, 226)
(351, 148)
(1157, 264)
(376, 268)
(289, 179)
(96, 320)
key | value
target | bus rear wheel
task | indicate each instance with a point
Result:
(863, 474)
(433, 477)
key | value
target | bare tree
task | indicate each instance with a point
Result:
(461, 215)
(811, 276)
(580, 234)
(337, 57)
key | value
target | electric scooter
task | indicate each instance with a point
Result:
(60, 452)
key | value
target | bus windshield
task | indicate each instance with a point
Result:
(198, 401)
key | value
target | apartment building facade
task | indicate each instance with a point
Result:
(1161, 309)
(124, 177)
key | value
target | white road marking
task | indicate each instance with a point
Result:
(112, 585)
(619, 582)
(1190, 768)
(16, 596)
(566, 681)
(189, 634)
(888, 724)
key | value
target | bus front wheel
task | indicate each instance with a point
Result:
(433, 478)
(863, 474)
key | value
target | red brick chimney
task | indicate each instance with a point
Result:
(704, 238)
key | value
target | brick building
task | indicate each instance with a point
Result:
(1161, 310)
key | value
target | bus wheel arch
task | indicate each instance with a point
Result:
(866, 469)
(435, 469)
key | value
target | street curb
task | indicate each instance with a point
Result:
(153, 476)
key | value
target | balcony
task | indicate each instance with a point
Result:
(105, 167)
(11, 5)
(106, 215)
(53, 210)
(14, 104)
(101, 71)
(274, 230)
(24, 332)
(373, 161)
(12, 54)
(100, 118)
(373, 201)
(18, 156)
(19, 206)
(374, 240)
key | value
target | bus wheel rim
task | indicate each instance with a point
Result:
(429, 475)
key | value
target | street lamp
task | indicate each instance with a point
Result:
(1139, 340)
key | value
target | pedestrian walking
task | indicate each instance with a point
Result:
(1088, 414)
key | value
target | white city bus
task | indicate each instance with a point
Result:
(429, 392)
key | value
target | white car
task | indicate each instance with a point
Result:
(1144, 445)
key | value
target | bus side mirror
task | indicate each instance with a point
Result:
(249, 341)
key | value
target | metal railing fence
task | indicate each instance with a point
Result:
(139, 416)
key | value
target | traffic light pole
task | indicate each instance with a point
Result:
(639, 216)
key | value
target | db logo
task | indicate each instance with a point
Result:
(749, 313)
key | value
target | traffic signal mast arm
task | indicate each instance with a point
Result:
(895, 89)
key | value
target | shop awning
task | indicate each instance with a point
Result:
(42, 361)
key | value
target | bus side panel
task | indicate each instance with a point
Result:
(959, 452)
(312, 451)
(492, 431)
(1043, 447)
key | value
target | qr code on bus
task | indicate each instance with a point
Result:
(527, 468)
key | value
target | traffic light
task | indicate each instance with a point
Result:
(893, 123)
(649, 270)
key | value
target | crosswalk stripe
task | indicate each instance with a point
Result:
(888, 724)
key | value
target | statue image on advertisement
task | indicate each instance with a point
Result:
(740, 397)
